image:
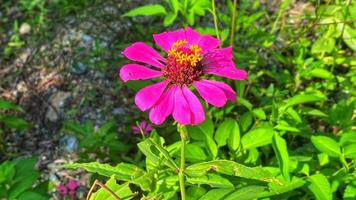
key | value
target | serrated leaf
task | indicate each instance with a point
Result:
(326, 145)
(320, 187)
(257, 137)
(230, 168)
(147, 10)
(280, 148)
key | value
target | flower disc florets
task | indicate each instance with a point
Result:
(183, 63)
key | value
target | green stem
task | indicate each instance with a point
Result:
(184, 138)
(233, 23)
(215, 18)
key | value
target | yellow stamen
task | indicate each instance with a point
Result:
(185, 58)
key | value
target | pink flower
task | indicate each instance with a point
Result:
(62, 190)
(72, 185)
(189, 56)
(146, 128)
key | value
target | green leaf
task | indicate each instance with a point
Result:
(213, 180)
(14, 122)
(216, 194)
(321, 73)
(28, 195)
(320, 187)
(148, 10)
(257, 137)
(223, 132)
(259, 113)
(247, 193)
(7, 105)
(123, 191)
(350, 151)
(7, 171)
(350, 191)
(234, 137)
(281, 151)
(25, 177)
(292, 113)
(349, 37)
(169, 18)
(174, 4)
(230, 168)
(276, 189)
(326, 145)
(348, 138)
(195, 192)
(301, 99)
(323, 45)
(195, 153)
(204, 132)
(122, 171)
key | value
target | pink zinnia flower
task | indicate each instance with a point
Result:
(189, 56)
(62, 190)
(72, 185)
(146, 128)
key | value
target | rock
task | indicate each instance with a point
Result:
(69, 144)
(79, 68)
(58, 101)
(25, 28)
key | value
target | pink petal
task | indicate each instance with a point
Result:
(141, 52)
(149, 95)
(219, 62)
(229, 72)
(181, 111)
(137, 72)
(192, 36)
(163, 108)
(208, 42)
(210, 93)
(196, 109)
(165, 40)
(229, 92)
(135, 130)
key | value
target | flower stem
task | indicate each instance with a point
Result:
(215, 18)
(233, 23)
(184, 138)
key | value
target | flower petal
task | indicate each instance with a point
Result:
(181, 110)
(196, 109)
(229, 92)
(192, 36)
(137, 72)
(219, 62)
(208, 42)
(141, 52)
(163, 108)
(229, 72)
(149, 95)
(165, 40)
(210, 93)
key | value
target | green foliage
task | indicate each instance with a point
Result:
(17, 179)
(101, 141)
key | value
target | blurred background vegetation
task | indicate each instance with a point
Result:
(61, 100)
